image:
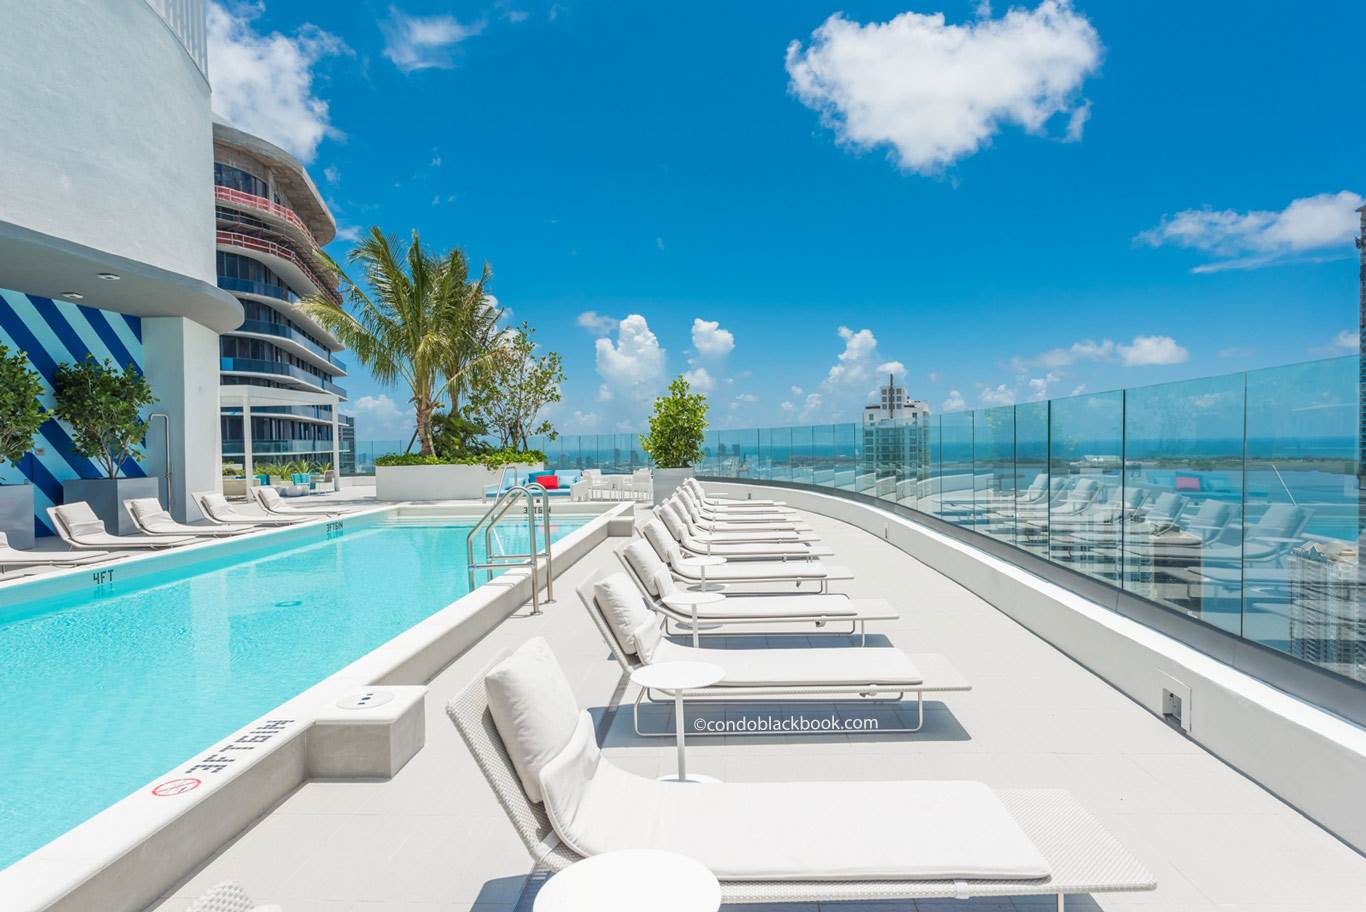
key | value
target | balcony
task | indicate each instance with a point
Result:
(260, 448)
(282, 260)
(262, 289)
(258, 204)
(275, 368)
(309, 347)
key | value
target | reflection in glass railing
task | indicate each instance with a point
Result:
(1231, 499)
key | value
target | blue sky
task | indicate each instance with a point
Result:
(999, 205)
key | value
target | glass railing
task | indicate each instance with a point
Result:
(1231, 499)
(258, 366)
(251, 286)
(285, 331)
(259, 448)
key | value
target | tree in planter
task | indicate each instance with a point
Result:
(677, 427)
(102, 406)
(511, 386)
(20, 414)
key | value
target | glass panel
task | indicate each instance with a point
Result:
(1301, 590)
(1033, 492)
(952, 495)
(993, 470)
(1183, 497)
(848, 456)
(802, 469)
(823, 455)
(1085, 454)
(780, 451)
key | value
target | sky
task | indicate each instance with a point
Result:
(786, 202)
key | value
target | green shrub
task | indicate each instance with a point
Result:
(20, 414)
(677, 427)
(493, 459)
(102, 405)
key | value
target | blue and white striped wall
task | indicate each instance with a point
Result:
(50, 333)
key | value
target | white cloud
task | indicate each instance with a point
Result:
(811, 407)
(1088, 350)
(795, 390)
(423, 42)
(1246, 240)
(788, 409)
(1345, 342)
(954, 403)
(1237, 351)
(1152, 350)
(700, 380)
(332, 174)
(436, 161)
(264, 83)
(632, 368)
(997, 395)
(1039, 387)
(596, 323)
(659, 243)
(379, 417)
(932, 376)
(710, 340)
(895, 368)
(936, 92)
(856, 361)
(746, 397)
(584, 422)
(349, 233)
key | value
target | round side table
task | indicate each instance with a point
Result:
(675, 678)
(688, 600)
(630, 880)
(702, 563)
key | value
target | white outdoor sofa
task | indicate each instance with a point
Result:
(805, 842)
(865, 674)
(693, 611)
(79, 527)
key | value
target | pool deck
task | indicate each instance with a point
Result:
(434, 837)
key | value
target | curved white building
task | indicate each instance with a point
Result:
(279, 392)
(105, 223)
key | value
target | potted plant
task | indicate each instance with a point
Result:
(101, 406)
(20, 418)
(674, 442)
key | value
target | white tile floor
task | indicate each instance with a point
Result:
(434, 838)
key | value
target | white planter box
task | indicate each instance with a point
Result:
(666, 481)
(439, 482)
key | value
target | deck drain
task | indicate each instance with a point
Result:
(290, 603)
(365, 699)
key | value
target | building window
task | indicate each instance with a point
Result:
(237, 179)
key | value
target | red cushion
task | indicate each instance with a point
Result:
(549, 482)
(1187, 483)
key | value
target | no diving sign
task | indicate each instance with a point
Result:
(172, 787)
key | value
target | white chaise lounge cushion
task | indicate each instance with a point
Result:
(80, 520)
(533, 708)
(645, 562)
(817, 666)
(624, 608)
(659, 538)
(789, 831)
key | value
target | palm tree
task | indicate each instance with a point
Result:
(474, 317)
(404, 330)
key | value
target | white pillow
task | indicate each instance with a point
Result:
(673, 523)
(659, 537)
(645, 562)
(623, 606)
(533, 709)
(647, 637)
(663, 582)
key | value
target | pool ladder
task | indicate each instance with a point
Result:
(537, 501)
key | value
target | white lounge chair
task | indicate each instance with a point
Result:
(228, 897)
(794, 571)
(731, 503)
(877, 674)
(217, 509)
(734, 515)
(11, 558)
(151, 517)
(716, 544)
(808, 842)
(751, 524)
(672, 506)
(270, 500)
(652, 577)
(79, 527)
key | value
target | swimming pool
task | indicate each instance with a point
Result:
(103, 690)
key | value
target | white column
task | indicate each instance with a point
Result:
(180, 360)
(246, 439)
(336, 444)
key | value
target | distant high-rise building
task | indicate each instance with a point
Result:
(895, 436)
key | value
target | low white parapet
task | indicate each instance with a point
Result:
(440, 482)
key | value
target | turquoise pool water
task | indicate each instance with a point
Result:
(101, 694)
